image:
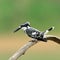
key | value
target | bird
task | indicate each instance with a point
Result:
(36, 34)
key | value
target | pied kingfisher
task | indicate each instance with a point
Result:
(32, 32)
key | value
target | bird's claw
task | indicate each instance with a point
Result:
(33, 41)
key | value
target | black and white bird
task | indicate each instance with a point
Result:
(34, 33)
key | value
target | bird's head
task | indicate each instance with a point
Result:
(23, 26)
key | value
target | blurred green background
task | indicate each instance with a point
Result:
(42, 14)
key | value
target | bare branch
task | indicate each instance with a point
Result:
(22, 50)
(53, 38)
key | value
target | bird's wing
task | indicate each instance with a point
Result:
(53, 38)
(34, 30)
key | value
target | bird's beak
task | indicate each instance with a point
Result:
(17, 29)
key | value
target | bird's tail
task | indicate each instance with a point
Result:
(48, 30)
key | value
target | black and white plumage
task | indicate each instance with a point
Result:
(34, 33)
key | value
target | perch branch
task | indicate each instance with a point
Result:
(24, 48)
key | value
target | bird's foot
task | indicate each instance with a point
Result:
(33, 41)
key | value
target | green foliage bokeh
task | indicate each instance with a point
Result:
(41, 13)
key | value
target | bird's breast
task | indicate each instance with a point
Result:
(29, 32)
